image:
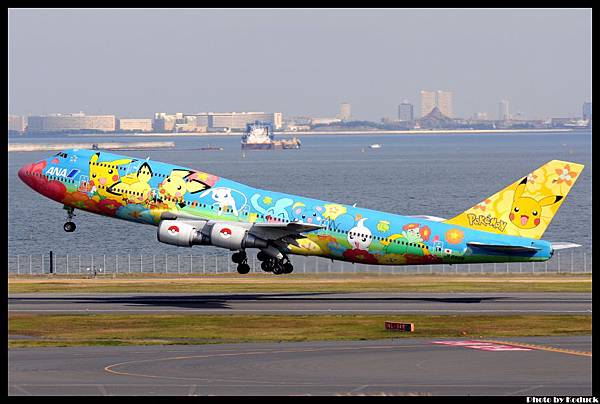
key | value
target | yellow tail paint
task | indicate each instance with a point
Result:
(526, 207)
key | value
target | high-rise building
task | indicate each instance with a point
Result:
(444, 103)
(440, 99)
(345, 111)
(428, 102)
(504, 113)
(406, 111)
(587, 110)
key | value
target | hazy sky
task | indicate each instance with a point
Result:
(134, 63)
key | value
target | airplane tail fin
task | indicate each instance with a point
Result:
(526, 207)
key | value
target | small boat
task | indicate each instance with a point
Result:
(375, 146)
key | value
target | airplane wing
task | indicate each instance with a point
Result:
(282, 233)
(503, 248)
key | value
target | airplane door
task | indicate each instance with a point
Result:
(154, 195)
(84, 184)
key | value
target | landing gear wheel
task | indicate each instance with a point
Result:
(261, 256)
(278, 269)
(288, 268)
(69, 227)
(239, 257)
(243, 268)
(266, 266)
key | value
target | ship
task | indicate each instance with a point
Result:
(375, 146)
(259, 136)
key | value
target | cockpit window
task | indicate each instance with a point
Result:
(61, 154)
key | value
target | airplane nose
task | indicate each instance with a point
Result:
(22, 173)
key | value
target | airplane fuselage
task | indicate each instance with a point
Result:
(144, 190)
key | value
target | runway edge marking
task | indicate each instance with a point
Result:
(538, 347)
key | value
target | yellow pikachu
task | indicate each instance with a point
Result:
(526, 211)
(104, 175)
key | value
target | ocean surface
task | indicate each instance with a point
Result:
(440, 175)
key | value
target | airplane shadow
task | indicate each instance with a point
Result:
(222, 301)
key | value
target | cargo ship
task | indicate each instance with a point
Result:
(259, 136)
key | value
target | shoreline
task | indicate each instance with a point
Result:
(321, 133)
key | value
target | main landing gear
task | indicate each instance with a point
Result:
(268, 264)
(277, 266)
(241, 259)
(69, 225)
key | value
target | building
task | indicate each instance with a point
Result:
(428, 102)
(480, 116)
(239, 120)
(16, 123)
(444, 103)
(324, 121)
(345, 111)
(71, 122)
(406, 112)
(504, 112)
(587, 111)
(135, 124)
(164, 122)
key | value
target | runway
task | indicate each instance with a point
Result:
(390, 367)
(305, 303)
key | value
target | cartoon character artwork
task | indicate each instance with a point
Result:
(273, 213)
(179, 182)
(525, 211)
(305, 214)
(360, 237)
(135, 187)
(103, 175)
(223, 198)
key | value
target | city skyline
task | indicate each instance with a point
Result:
(150, 61)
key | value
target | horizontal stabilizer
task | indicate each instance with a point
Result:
(561, 245)
(430, 218)
(503, 248)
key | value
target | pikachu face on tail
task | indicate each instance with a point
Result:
(526, 207)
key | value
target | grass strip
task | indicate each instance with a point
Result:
(30, 330)
(305, 283)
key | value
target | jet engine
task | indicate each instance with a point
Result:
(219, 234)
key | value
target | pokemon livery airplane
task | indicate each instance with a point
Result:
(192, 207)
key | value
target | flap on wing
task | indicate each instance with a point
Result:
(274, 231)
(503, 248)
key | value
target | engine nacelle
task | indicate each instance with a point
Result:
(219, 234)
(180, 233)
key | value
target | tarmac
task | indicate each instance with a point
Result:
(532, 366)
(305, 303)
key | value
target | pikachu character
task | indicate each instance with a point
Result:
(103, 175)
(172, 190)
(526, 207)
(135, 187)
(526, 211)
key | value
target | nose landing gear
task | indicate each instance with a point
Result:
(69, 226)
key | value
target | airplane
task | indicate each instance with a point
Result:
(192, 207)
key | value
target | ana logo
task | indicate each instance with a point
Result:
(173, 230)
(225, 232)
(57, 171)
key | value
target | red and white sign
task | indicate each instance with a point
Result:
(225, 232)
(482, 346)
(173, 230)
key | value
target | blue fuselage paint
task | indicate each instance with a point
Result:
(95, 181)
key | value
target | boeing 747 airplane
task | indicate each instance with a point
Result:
(191, 207)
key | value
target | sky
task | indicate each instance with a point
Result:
(133, 63)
